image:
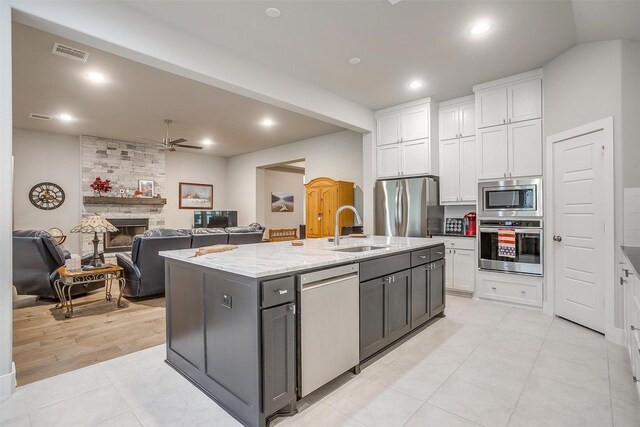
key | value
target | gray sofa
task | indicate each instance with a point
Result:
(36, 259)
(144, 268)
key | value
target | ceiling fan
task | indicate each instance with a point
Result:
(171, 144)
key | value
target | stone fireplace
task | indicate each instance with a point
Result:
(120, 241)
(124, 163)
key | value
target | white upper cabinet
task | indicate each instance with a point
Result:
(450, 171)
(510, 151)
(509, 118)
(525, 100)
(491, 152)
(525, 148)
(468, 119)
(457, 118)
(388, 161)
(415, 123)
(491, 107)
(468, 179)
(449, 123)
(388, 129)
(458, 171)
(511, 100)
(402, 125)
(404, 141)
(415, 157)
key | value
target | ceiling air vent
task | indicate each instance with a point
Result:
(39, 116)
(70, 52)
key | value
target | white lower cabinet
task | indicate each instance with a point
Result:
(514, 288)
(460, 257)
(631, 282)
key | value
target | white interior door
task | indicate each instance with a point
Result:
(578, 191)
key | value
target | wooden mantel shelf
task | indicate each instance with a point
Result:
(105, 200)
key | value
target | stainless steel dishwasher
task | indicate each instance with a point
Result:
(329, 325)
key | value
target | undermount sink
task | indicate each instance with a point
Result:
(359, 248)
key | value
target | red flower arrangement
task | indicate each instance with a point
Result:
(101, 186)
(138, 193)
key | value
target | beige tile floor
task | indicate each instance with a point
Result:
(484, 364)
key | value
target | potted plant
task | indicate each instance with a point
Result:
(101, 186)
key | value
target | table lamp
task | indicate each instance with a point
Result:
(94, 224)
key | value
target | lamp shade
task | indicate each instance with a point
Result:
(94, 224)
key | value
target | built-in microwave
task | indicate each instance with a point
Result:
(510, 198)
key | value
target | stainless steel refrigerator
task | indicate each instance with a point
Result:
(408, 207)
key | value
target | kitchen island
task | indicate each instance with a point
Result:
(235, 327)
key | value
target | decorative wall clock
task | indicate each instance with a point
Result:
(46, 196)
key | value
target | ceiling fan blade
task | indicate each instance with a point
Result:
(149, 139)
(178, 141)
(187, 146)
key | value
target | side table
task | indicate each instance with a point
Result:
(68, 280)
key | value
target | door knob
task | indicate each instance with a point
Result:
(557, 238)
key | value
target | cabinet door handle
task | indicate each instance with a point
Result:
(422, 256)
(504, 120)
(493, 287)
(281, 291)
(622, 281)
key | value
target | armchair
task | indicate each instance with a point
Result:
(143, 268)
(36, 257)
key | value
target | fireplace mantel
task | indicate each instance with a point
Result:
(105, 200)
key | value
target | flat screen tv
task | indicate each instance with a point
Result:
(215, 219)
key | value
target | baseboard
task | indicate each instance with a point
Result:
(8, 383)
(615, 335)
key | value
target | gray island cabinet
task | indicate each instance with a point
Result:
(233, 320)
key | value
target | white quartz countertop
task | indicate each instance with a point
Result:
(267, 259)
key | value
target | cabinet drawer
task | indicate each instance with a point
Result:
(468, 243)
(383, 266)
(277, 291)
(437, 253)
(527, 294)
(420, 257)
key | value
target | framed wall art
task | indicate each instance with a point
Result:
(195, 196)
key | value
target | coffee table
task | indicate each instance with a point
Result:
(63, 286)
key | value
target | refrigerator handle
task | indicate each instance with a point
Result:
(404, 208)
(398, 216)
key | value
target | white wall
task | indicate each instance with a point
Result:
(583, 85)
(337, 156)
(7, 369)
(198, 168)
(40, 157)
(288, 182)
(631, 113)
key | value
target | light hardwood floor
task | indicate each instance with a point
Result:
(46, 344)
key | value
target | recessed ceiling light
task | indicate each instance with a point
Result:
(354, 61)
(96, 77)
(272, 12)
(66, 117)
(267, 122)
(207, 141)
(480, 28)
(416, 84)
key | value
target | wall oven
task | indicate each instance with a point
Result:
(528, 253)
(510, 198)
